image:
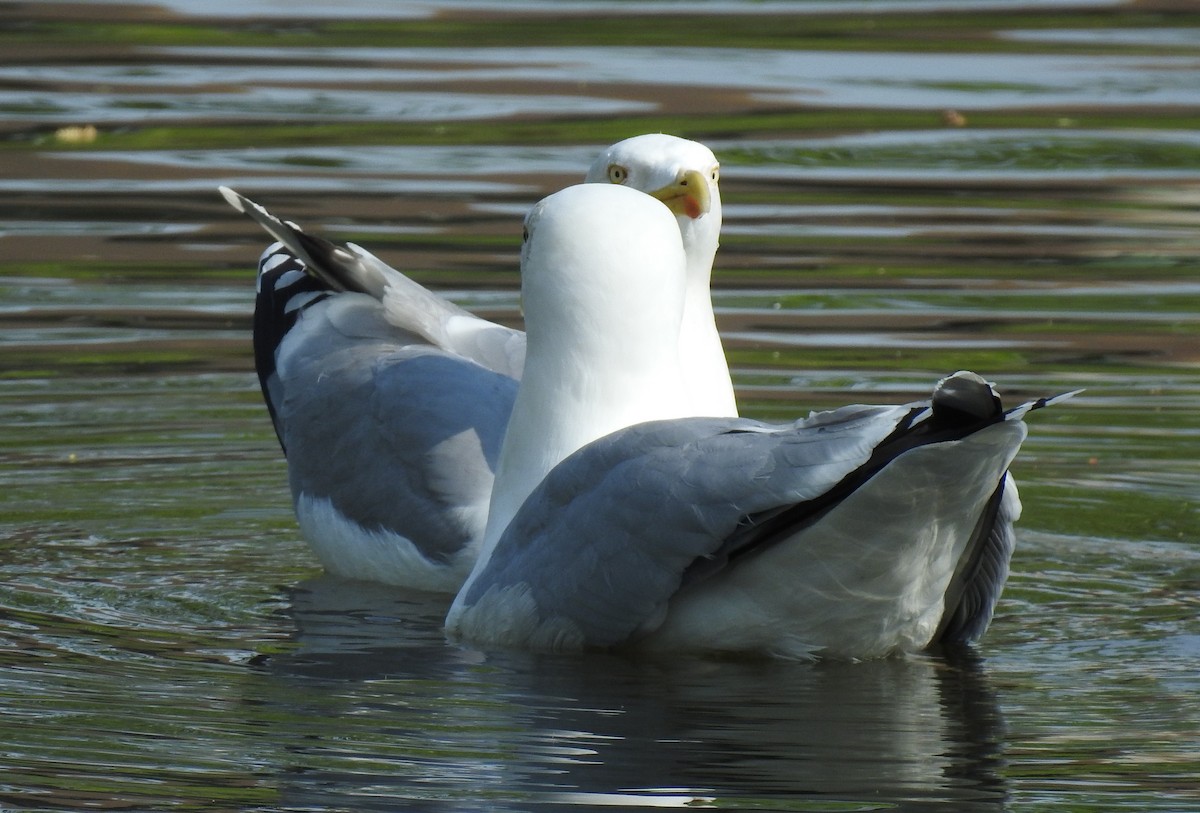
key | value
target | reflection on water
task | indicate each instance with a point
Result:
(909, 190)
(607, 731)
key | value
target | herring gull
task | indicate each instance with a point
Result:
(391, 402)
(854, 533)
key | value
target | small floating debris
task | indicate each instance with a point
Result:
(76, 134)
(952, 118)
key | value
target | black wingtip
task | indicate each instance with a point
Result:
(1018, 412)
(331, 262)
(335, 266)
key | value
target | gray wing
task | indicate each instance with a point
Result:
(614, 530)
(410, 306)
(396, 435)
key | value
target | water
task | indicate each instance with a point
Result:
(910, 189)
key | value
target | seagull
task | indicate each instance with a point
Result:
(854, 533)
(391, 403)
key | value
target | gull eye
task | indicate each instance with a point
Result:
(617, 174)
(715, 174)
(525, 235)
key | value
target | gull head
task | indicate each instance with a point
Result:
(601, 255)
(683, 174)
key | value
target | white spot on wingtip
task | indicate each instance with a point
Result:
(273, 262)
(232, 198)
(300, 300)
(288, 278)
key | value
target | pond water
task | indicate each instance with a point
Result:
(910, 188)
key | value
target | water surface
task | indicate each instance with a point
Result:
(910, 189)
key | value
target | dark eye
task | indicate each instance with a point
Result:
(617, 174)
(525, 235)
(716, 173)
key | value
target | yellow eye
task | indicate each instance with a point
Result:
(617, 174)
(715, 174)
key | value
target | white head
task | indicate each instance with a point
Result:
(605, 265)
(682, 174)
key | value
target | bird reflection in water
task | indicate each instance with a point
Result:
(375, 708)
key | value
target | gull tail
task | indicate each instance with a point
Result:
(966, 397)
(980, 575)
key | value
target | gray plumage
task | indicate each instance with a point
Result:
(622, 531)
(390, 404)
(433, 422)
